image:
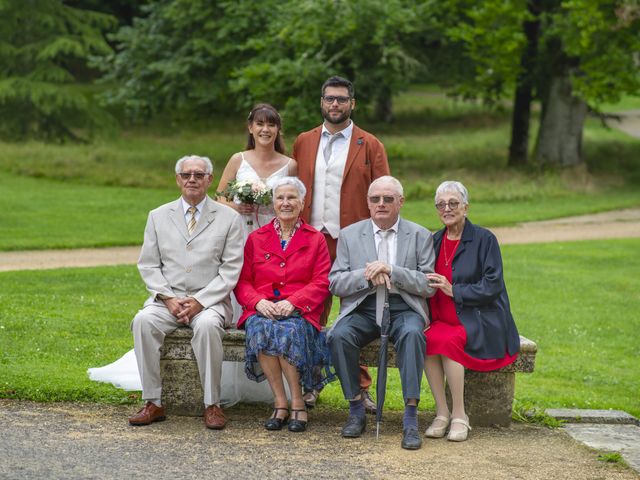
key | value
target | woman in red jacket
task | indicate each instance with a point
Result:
(282, 287)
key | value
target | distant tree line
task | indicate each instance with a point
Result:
(200, 57)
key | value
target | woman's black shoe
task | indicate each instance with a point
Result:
(275, 423)
(296, 425)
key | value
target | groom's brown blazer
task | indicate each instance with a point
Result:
(366, 161)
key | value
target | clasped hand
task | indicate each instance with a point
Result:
(275, 310)
(183, 308)
(378, 273)
(440, 281)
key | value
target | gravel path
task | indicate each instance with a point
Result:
(628, 122)
(87, 441)
(616, 224)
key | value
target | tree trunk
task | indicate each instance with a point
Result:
(519, 147)
(384, 105)
(560, 135)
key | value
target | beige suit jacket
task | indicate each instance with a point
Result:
(205, 265)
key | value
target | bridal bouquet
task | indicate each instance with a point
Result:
(253, 192)
(247, 191)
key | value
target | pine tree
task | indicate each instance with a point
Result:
(42, 44)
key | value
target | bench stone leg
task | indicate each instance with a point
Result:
(181, 389)
(488, 397)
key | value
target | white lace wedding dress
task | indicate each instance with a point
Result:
(235, 386)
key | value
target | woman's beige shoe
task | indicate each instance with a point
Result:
(459, 435)
(437, 432)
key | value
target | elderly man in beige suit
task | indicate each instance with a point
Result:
(190, 262)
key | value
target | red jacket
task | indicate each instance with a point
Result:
(300, 274)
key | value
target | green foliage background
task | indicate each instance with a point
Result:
(42, 44)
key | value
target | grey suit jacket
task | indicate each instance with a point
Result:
(205, 266)
(414, 258)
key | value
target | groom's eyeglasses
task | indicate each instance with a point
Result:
(197, 175)
(329, 99)
(385, 199)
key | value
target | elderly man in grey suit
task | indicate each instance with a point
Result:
(190, 262)
(385, 251)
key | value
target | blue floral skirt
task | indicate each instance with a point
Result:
(294, 339)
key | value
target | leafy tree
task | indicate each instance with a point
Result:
(589, 50)
(566, 53)
(41, 41)
(200, 56)
(179, 56)
(381, 45)
(123, 10)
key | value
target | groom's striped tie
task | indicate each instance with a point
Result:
(191, 226)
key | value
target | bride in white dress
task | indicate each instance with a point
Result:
(263, 160)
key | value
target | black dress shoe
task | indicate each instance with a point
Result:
(354, 427)
(296, 425)
(275, 423)
(411, 439)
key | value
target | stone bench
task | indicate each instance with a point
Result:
(488, 395)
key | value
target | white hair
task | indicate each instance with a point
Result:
(208, 165)
(394, 182)
(295, 181)
(452, 186)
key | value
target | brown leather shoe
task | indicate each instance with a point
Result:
(369, 404)
(310, 398)
(214, 417)
(147, 415)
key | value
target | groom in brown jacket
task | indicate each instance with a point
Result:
(337, 161)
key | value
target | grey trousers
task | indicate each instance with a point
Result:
(359, 328)
(152, 323)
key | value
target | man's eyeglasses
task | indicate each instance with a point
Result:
(197, 175)
(329, 99)
(385, 199)
(452, 204)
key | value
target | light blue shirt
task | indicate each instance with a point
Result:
(186, 207)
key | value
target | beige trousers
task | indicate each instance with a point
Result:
(152, 323)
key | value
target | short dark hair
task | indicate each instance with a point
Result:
(337, 81)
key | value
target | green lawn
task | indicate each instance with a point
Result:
(41, 213)
(578, 301)
(98, 194)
